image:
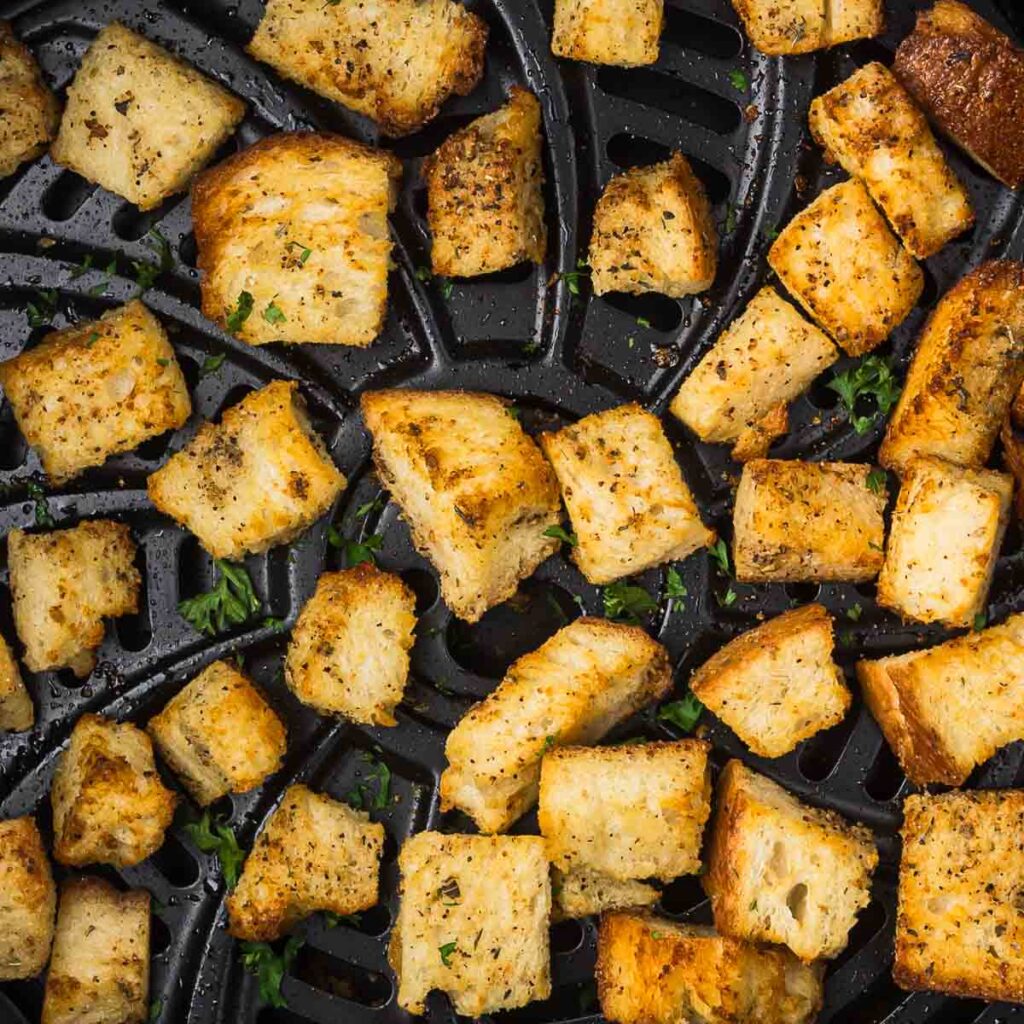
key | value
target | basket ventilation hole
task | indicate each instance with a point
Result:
(693, 32)
(65, 197)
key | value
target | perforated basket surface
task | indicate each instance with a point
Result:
(522, 334)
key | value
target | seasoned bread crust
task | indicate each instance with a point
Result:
(581, 893)
(16, 710)
(780, 27)
(31, 112)
(28, 900)
(626, 33)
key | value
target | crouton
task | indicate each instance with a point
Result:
(776, 684)
(28, 900)
(219, 734)
(396, 62)
(16, 711)
(255, 480)
(629, 812)
(31, 111)
(799, 521)
(653, 232)
(966, 370)
(314, 853)
(119, 131)
(485, 204)
(969, 78)
(349, 651)
(779, 27)
(629, 505)
(588, 677)
(841, 261)
(472, 922)
(65, 583)
(96, 389)
(780, 871)
(959, 927)
(581, 892)
(626, 33)
(100, 967)
(474, 488)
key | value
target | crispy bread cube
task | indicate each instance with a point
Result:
(65, 583)
(776, 684)
(31, 112)
(966, 370)
(581, 892)
(255, 480)
(396, 61)
(120, 131)
(622, 32)
(653, 232)
(28, 900)
(799, 26)
(349, 651)
(219, 734)
(588, 677)
(472, 922)
(627, 499)
(474, 488)
(294, 242)
(841, 261)
(635, 811)
(95, 389)
(100, 968)
(314, 853)
(486, 207)
(16, 711)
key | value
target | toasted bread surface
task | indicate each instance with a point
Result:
(626, 33)
(16, 711)
(31, 112)
(28, 900)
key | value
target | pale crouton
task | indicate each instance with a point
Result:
(396, 61)
(485, 204)
(472, 922)
(634, 811)
(627, 499)
(293, 240)
(653, 232)
(28, 900)
(780, 871)
(349, 650)
(16, 711)
(779, 27)
(776, 684)
(580, 893)
(139, 121)
(314, 853)
(219, 734)
(589, 676)
(255, 480)
(959, 928)
(622, 32)
(798, 521)
(474, 488)
(966, 370)
(30, 111)
(95, 389)
(65, 583)
(654, 971)
(841, 261)
(100, 968)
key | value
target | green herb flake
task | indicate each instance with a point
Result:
(93, 338)
(163, 362)
(683, 714)
(44, 517)
(231, 602)
(560, 533)
(42, 311)
(275, 624)
(549, 742)
(356, 552)
(872, 378)
(241, 312)
(675, 589)
(719, 553)
(446, 287)
(728, 599)
(771, 233)
(980, 621)
(627, 601)
(273, 314)
(215, 837)
(572, 278)
(155, 1009)
(876, 481)
(370, 506)
(447, 951)
(642, 321)
(854, 613)
(730, 218)
(333, 920)
(739, 80)
(379, 773)
(211, 364)
(304, 251)
(146, 273)
(270, 967)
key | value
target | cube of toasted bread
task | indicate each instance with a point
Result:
(622, 32)
(31, 111)
(255, 480)
(589, 676)
(780, 27)
(100, 967)
(65, 583)
(653, 232)
(119, 129)
(28, 900)
(776, 684)
(841, 261)
(654, 971)
(472, 922)
(95, 389)
(396, 62)
(582, 892)
(474, 488)
(314, 853)
(16, 711)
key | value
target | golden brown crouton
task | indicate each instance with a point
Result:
(30, 111)
(396, 61)
(95, 389)
(255, 480)
(120, 131)
(653, 232)
(581, 892)
(349, 651)
(622, 32)
(474, 488)
(314, 853)
(28, 900)
(589, 676)
(472, 922)
(16, 711)
(780, 27)
(841, 261)
(65, 583)
(486, 207)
